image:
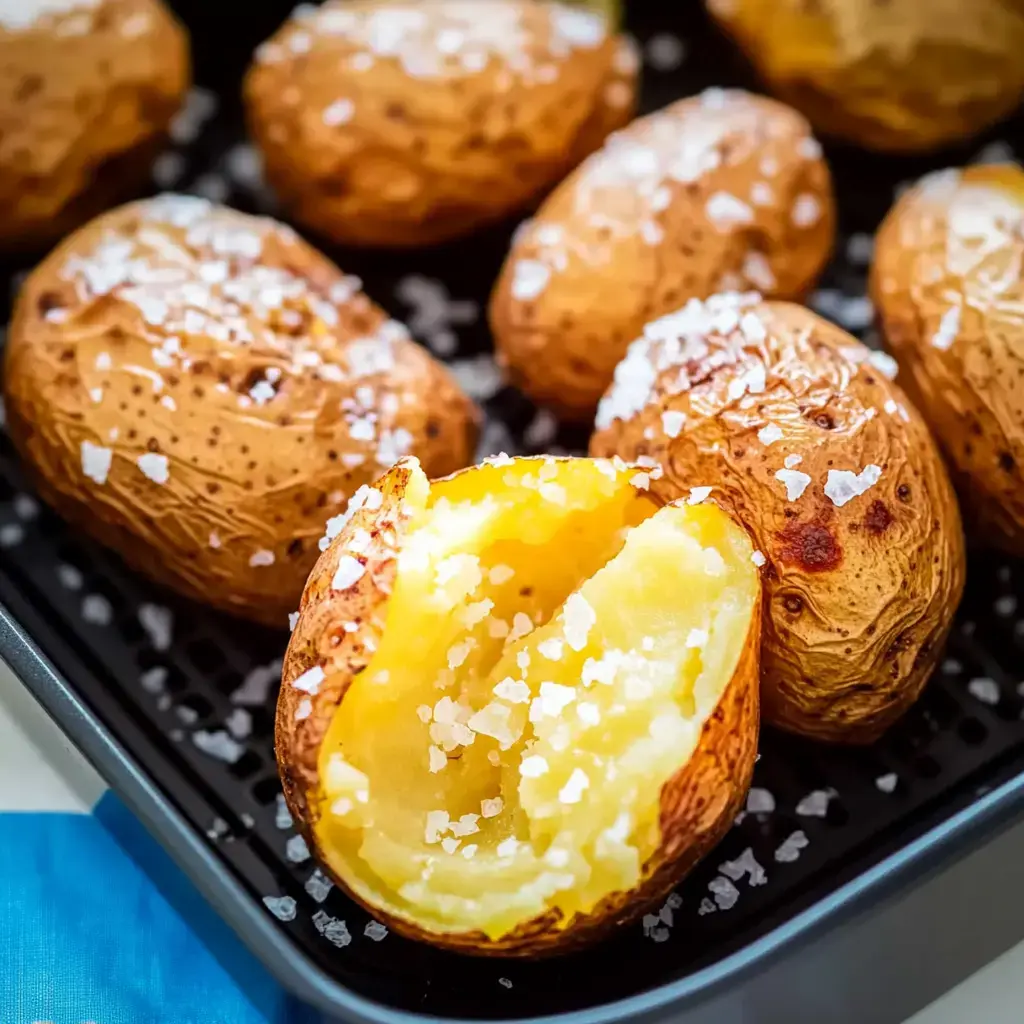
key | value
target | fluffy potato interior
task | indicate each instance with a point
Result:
(553, 645)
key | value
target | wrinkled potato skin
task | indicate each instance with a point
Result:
(925, 264)
(425, 158)
(261, 477)
(858, 599)
(903, 76)
(85, 100)
(607, 280)
(698, 805)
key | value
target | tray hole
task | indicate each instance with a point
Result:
(246, 766)
(205, 655)
(927, 767)
(972, 731)
(836, 814)
(129, 628)
(265, 791)
(1008, 709)
(941, 707)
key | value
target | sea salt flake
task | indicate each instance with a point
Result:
(579, 619)
(282, 907)
(769, 434)
(261, 558)
(760, 801)
(672, 422)
(725, 210)
(794, 481)
(218, 744)
(97, 610)
(158, 622)
(806, 210)
(887, 783)
(985, 690)
(572, 791)
(843, 485)
(318, 886)
(529, 279)
(155, 467)
(815, 804)
(724, 892)
(884, 364)
(96, 461)
(949, 328)
(745, 865)
(697, 495)
(338, 113)
(310, 680)
(332, 929)
(758, 558)
(789, 850)
(375, 931)
(350, 570)
(533, 766)
(513, 690)
(697, 638)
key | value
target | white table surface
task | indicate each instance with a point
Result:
(61, 781)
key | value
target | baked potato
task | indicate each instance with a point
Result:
(899, 76)
(200, 390)
(946, 281)
(87, 91)
(717, 192)
(410, 122)
(488, 729)
(802, 436)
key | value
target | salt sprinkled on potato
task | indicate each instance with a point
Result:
(409, 122)
(717, 192)
(201, 390)
(946, 280)
(511, 747)
(833, 472)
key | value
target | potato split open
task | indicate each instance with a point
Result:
(546, 650)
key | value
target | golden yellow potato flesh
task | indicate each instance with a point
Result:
(904, 75)
(552, 646)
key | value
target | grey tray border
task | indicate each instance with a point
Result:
(906, 868)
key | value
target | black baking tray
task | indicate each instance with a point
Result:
(173, 703)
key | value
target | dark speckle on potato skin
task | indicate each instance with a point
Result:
(810, 546)
(878, 518)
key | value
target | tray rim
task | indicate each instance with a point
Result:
(906, 867)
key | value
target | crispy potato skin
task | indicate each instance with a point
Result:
(719, 191)
(426, 148)
(903, 76)
(953, 243)
(858, 598)
(86, 96)
(698, 805)
(254, 467)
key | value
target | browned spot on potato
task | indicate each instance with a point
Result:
(810, 546)
(878, 518)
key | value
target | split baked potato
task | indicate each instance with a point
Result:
(946, 282)
(720, 191)
(489, 730)
(410, 122)
(87, 91)
(898, 75)
(200, 390)
(798, 431)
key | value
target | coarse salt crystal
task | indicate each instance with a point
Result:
(261, 558)
(885, 364)
(844, 485)
(154, 467)
(533, 767)
(672, 422)
(529, 279)
(792, 461)
(572, 791)
(949, 328)
(338, 113)
(725, 210)
(350, 570)
(310, 680)
(697, 495)
(794, 481)
(579, 619)
(491, 808)
(758, 559)
(769, 434)
(96, 461)
(697, 638)
(806, 210)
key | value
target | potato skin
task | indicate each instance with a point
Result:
(858, 597)
(719, 191)
(698, 805)
(86, 96)
(390, 143)
(259, 387)
(902, 76)
(947, 286)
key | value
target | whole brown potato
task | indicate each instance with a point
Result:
(794, 427)
(720, 191)
(903, 75)
(409, 122)
(947, 284)
(201, 390)
(87, 91)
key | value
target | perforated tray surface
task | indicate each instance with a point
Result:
(189, 694)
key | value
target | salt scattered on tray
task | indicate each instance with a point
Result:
(26, 508)
(1005, 605)
(318, 886)
(282, 907)
(239, 724)
(984, 689)
(11, 534)
(154, 679)
(815, 804)
(257, 684)
(96, 610)
(479, 377)
(158, 622)
(744, 866)
(505, 982)
(282, 816)
(541, 430)
(167, 169)
(760, 801)
(332, 929)
(665, 52)
(725, 893)
(375, 931)
(789, 850)
(887, 783)
(296, 850)
(218, 744)
(69, 577)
